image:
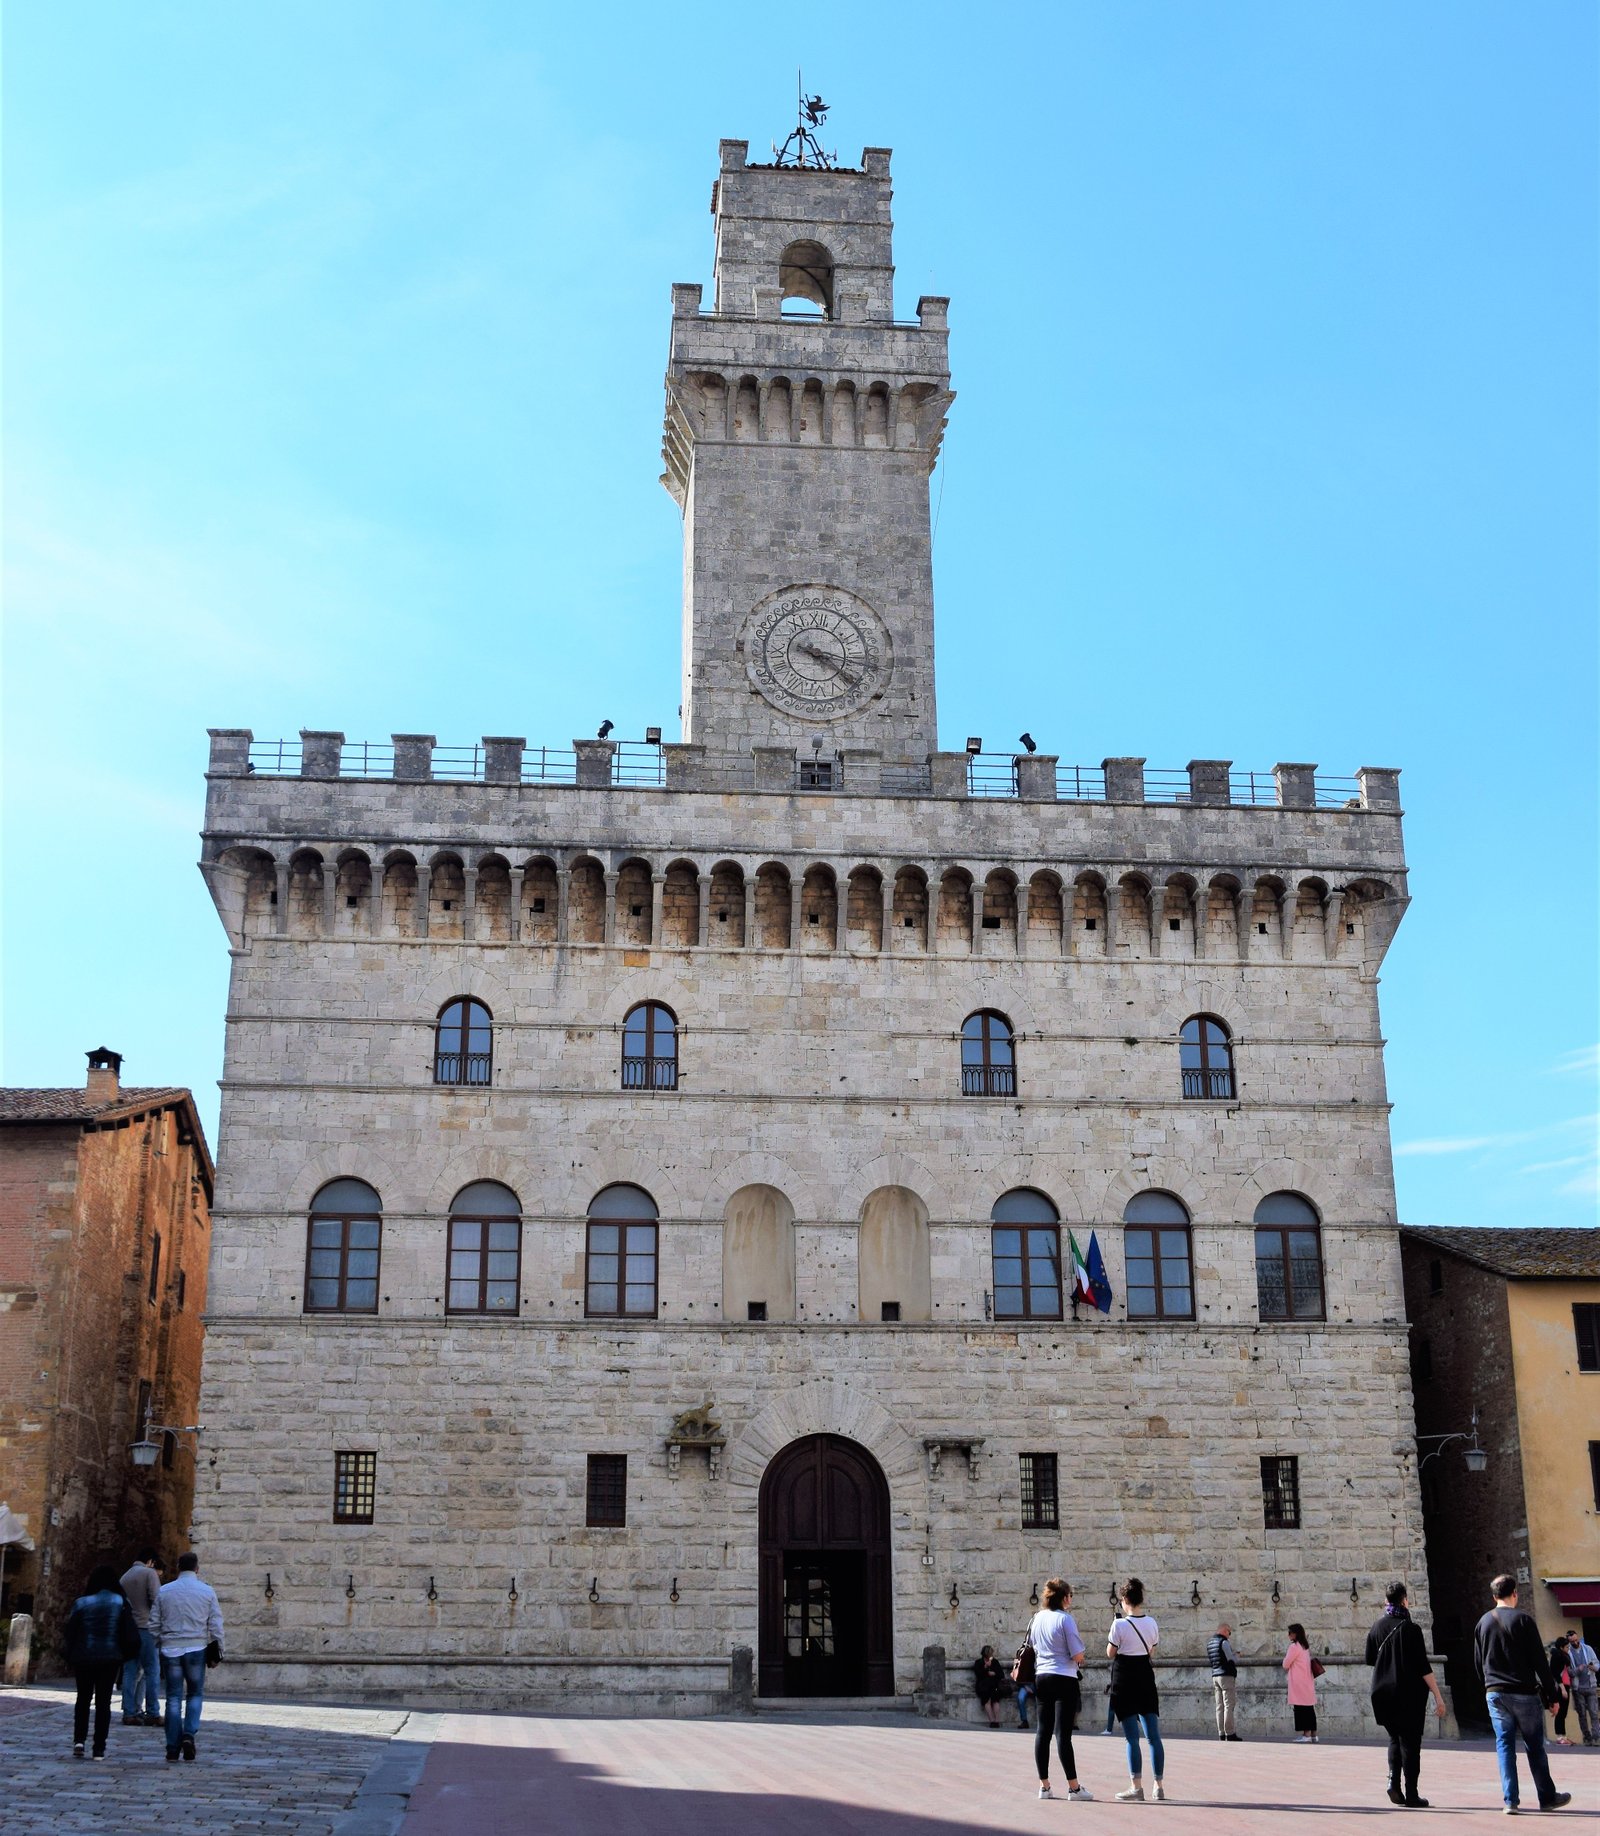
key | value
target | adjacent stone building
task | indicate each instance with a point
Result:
(651, 1173)
(105, 1198)
(1505, 1356)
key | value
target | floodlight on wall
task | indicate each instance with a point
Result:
(974, 746)
(1475, 1455)
(652, 736)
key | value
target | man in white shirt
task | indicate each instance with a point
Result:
(186, 1619)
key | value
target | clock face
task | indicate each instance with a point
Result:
(816, 652)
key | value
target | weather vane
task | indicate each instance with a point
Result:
(802, 148)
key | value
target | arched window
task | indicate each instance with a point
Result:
(1160, 1263)
(1205, 1053)
(650, 1048)
(1026, 1242)
(988, 1055)
(805, 272)
(620, 1264)
(463, 1043)
(485, 1274)
(1288, 1258)
(343, 1237)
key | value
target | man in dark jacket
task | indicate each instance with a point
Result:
(1402, 1680)
(1508, 1655)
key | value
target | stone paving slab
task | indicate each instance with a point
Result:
(495, 1775)
(294, 1771)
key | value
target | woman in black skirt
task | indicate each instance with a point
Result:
(1135, 1701)
(991, 1684)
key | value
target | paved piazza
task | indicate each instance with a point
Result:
(380, 1772)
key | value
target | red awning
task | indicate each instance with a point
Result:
(1576, 1595)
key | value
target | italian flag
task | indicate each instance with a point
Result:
(1081, 1288)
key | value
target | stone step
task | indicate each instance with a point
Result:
(835, 1705)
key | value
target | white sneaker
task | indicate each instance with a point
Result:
(1133, 1795)
(1046, 1792)
(1081, 1794)
(1160, 1793)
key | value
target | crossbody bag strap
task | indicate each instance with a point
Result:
(1137, 1634)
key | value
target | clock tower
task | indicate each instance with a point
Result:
(802, 422)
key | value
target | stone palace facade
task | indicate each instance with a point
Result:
(649, 1173)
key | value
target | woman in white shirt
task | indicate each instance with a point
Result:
(1057, 1650)
(1131, 1644)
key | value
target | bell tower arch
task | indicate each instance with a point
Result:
(802, 423)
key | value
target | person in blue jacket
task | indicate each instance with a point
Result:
(99, 1638)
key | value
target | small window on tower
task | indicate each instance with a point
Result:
(355, 1487)
(755, 1310)
(890, 1313)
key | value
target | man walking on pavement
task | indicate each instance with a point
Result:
(141, 1676)
(1584, 1668)
(1402, 1680)
(1509, 1657)
(1224, 1680)
(187, 1620)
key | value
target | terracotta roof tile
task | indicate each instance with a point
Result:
(1548, 1253)
(73, 1105)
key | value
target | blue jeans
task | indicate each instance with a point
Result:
(185, 1678)
(145, 1671)
(1023, 1693)
(1524, 1715)
(1152, 1732)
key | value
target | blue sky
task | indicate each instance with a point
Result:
(334, 344)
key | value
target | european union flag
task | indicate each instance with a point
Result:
(1099, 1286)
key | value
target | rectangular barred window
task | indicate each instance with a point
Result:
(1280, 1491)
(1039, 1507)
(608, 1490)
(355, 1487)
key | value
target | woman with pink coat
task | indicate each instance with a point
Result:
(1297, 1660)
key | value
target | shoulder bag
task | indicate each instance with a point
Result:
(1025, 1665)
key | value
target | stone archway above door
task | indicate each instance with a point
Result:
(831, 1406)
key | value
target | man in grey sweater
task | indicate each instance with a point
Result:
(141, 1676)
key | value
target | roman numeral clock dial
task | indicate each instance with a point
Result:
(816, 652)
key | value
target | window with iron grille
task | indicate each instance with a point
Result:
(1040, 1510)
(650, 1048)
(355, 1487)
(463, 1043)
(988, 1055)
(1205, 1058)
(1280, 1491)
(344, 1236)
(1586, 1327)
(607, 1492)
(1288, 1258)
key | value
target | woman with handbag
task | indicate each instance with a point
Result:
(1135, 1701)
(99, 1638)
(1048, 1665)
(1303, 1671)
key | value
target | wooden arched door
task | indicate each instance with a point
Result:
(827, 1623)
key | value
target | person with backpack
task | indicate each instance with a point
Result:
(1303, 1671)
(99, 1638)
(1135, 1701)
(1402, 1680)
(1224, 1680)
(1049, 1664)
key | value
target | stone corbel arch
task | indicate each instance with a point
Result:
(868, 1176)
(1279, 1176)
(828, 1406)
(1036, 1171)
(468, 978)
(463, 1166)
(756, 1169)
(617, 1167)
(348, 1160)
(1174, 1176)
(638, 985)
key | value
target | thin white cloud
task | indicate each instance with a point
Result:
(1451, 1144)
(1585, 1061)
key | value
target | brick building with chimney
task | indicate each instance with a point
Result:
(105, 1201)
